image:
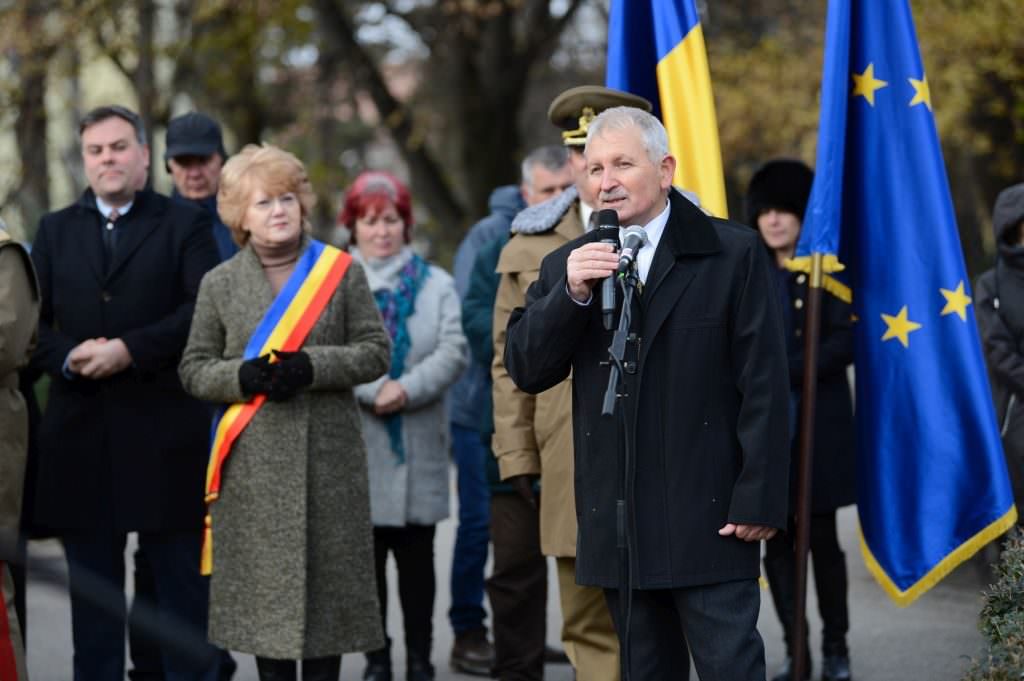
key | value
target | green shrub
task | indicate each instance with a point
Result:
(1002, 618)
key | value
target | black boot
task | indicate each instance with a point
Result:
(785, 672)
(321, 668)
(835, 662)
(378, 665)
(418, 668)
(270, 669)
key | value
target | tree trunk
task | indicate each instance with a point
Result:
(33, 195)
(145, 76)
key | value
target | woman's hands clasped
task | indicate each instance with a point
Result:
(390, 398)
(280, 380)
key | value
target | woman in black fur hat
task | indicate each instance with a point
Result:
(776, 200)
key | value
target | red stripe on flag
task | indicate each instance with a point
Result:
(8, 666)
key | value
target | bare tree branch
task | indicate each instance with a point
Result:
(427, 174)
(543, 36)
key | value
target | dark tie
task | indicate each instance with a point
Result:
(110, 234)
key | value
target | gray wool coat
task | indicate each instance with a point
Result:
(415, 492)
(292, 542)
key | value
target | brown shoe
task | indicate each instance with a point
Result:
(472, 653)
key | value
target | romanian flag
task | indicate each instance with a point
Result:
(656, 50)
(284, 327)
(932, 483)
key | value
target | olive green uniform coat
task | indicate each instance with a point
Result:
(19, 315)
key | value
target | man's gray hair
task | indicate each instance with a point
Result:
(652, 132)
(552, 157)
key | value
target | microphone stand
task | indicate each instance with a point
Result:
(625, 522)
(628, 281)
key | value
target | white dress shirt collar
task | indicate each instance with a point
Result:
(655, 228)
(105, 208)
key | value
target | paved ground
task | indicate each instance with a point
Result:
(931, 640)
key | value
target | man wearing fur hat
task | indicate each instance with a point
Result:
(776, 200)
(533, 433)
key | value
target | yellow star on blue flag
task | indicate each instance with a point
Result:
(865, 84)
(922, 93)
(956, 301)
(899, 327)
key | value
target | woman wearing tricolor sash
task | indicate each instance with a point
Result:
(403, 412)
(282, 333)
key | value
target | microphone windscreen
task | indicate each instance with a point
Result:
(607, 218)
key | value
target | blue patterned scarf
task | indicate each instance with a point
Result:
(396, 306)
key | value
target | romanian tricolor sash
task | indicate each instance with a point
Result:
(285, 327)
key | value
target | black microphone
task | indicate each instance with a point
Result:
(608, 224)
(633, 239)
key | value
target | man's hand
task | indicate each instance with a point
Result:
(99, 358)
(82, 353)
(586, 266)
(748, 532)
(390, 398)
(523, 486)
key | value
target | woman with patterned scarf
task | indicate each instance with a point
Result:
(404, 424)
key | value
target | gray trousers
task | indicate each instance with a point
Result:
(716, 623)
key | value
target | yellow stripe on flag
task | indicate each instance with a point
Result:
(688, 110)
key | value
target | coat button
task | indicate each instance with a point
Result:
(798, 303)
(799, 332)
(106, 297)
(801, 278)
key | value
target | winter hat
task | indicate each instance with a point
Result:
(784, 184)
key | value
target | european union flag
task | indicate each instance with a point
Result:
(656, 50)
(932, 482)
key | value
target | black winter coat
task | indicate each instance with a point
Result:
(127, 452)
(834, 471)
(708, 404)
(999, 307)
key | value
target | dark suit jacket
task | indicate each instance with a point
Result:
(708, 405)
(127, 452)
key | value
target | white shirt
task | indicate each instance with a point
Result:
(105, 208)
(645, 256)
(585, 213)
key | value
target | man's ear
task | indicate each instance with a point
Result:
(524, 192)
(668, 170)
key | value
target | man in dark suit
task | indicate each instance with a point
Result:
(122, 447)
(705, 406)
(193, 155)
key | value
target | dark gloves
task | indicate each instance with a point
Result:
(523, 486)
(256, 375)
(278, 381)
(293, 372)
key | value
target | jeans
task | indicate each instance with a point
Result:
(473, 535)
